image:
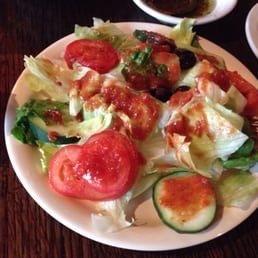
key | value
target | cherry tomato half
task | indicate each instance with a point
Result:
(104, 168)
(97, 54)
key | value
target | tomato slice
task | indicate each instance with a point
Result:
(97, 54)
(104, 168)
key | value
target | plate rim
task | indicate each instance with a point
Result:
(58, 216)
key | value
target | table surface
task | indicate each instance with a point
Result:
(27, 27)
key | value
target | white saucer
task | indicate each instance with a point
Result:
(221, 9)
(251, 29)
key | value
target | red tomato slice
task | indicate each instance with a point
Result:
(104, 168)
(97, 54)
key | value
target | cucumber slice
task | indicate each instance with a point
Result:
(185, 201)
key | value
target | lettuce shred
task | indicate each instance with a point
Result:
(106, 31)
(237, 189)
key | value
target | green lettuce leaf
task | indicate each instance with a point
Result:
(245, 150)
(31, 124)
(32, 121)
(182, 33)
(238, 189)
(47, 150)
(94, 122)
(226, 136)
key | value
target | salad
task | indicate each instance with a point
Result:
(119, 115)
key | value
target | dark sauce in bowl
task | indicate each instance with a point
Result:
(183, 8)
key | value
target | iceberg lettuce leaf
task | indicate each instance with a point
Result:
(189, 76)
(47, 150)
(34, 111)
(94, 122)
(221, 138)
(47, 78)
(75, 102)
(233, 118)
(157, 152)
(237, 101)
(183, 33)
(111, 215)
(212, 91)
(107, 31)
(238, 189)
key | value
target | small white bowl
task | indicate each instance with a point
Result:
(221, 8)
(251, 29)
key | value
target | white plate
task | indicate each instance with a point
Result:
(221, 9)
(75, 214)
(251, 29)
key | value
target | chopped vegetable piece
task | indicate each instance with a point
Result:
(104, 168)
(245, 150)
(243, 163)
(93, 54)
(185, 201)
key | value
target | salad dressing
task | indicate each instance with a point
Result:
(202, 8)
(189, 193)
